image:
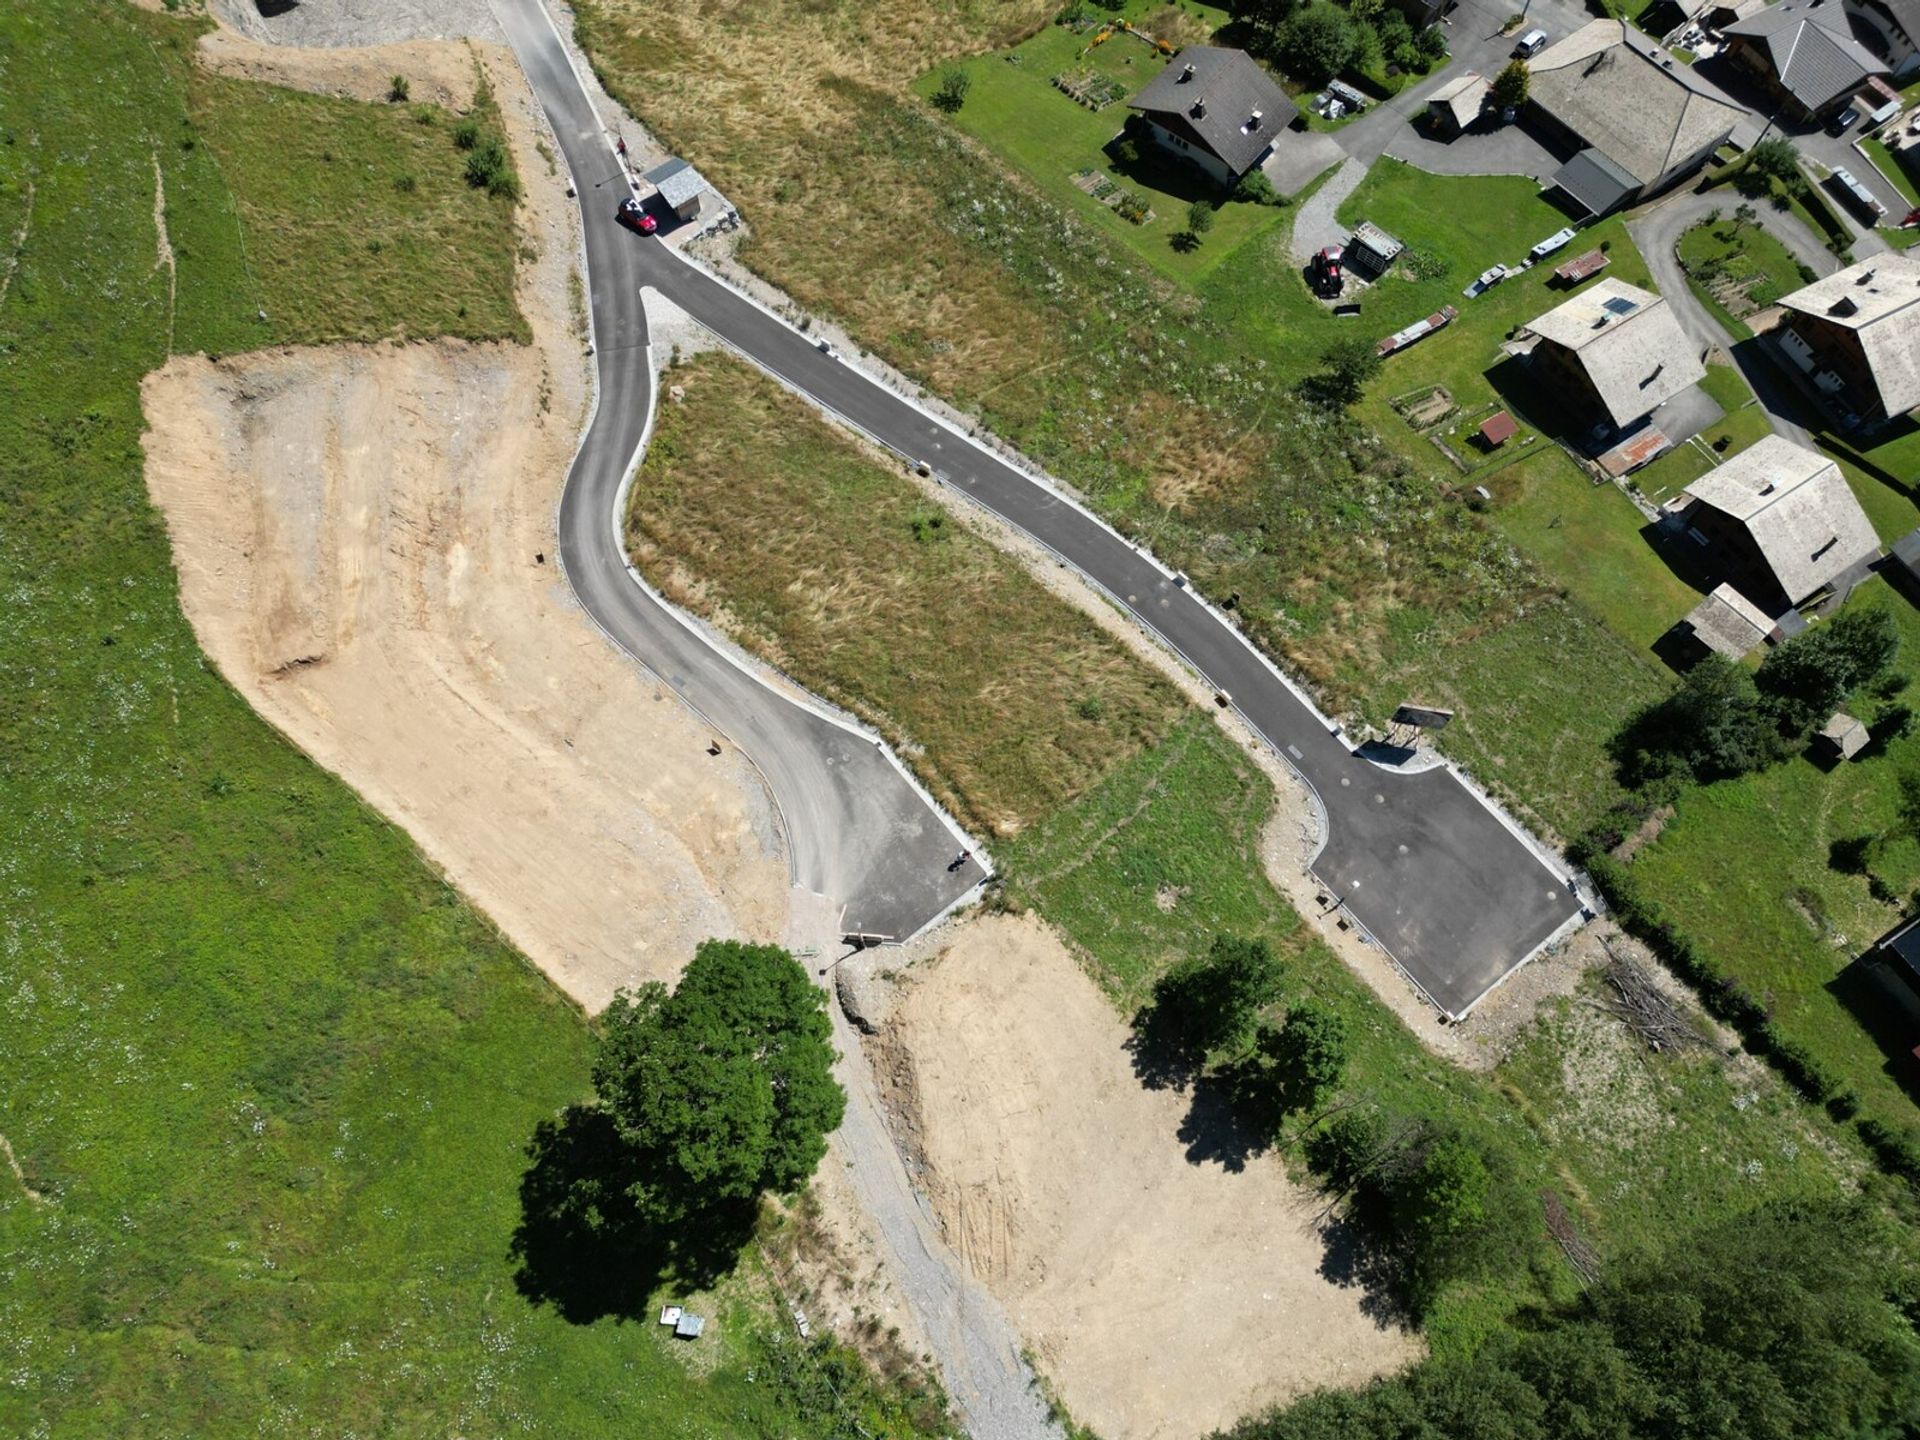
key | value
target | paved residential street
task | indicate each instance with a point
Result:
(1434, 875)
(858, 829)
(1658, 231)
(1454, 895)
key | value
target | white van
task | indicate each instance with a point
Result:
(1531, 44)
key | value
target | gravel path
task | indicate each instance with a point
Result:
(1314, 225)
(976, 1344)
(332, 24)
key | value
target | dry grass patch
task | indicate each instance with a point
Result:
(753, 511)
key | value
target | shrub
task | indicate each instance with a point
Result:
(489, 169)
(1255, 189)
(952, 93)
(1776, 158)
(466, 134)
(398, 90)
(1422, 264)
(404, 184)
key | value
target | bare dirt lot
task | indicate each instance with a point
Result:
(356, 530)
(438, 71)
(1163, 1298)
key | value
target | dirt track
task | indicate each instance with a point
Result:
(356, 531)
(1162, 1297)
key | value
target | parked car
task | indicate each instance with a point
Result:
(1324, 272)
(1844, 121)
(1531, 44)
(634, 216)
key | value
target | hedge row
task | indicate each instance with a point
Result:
(1897, 1151)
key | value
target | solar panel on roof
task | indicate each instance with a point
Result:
(1619, 305)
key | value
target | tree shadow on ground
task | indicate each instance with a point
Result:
(1163, 1057)
(1221, 1127)
(587, 1249)
(1354, 1258)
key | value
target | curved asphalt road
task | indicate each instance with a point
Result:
(859, 831)
(1658, 232)
(1432, 873)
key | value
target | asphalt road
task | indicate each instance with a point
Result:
(1428, 870)
(1658, 231)
(858, 830)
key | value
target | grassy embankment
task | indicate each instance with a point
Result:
(1154, 852)
(1006, 700)
(266, 1077)
(1749, 257)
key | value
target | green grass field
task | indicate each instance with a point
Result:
(1745, 867)
(1899, 169)
(1162, 855)
(1006, 700)
(1749, 256)
(356, 221)
(269, 1077)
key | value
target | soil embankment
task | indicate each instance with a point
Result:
(364, 536)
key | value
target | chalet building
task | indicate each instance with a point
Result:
(1637, 120)
(1856, 336)
(1781, 523)
(1613, 354)
(1891, 29)
(1805, 55)
(1216, 109)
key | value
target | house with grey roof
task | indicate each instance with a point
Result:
(1804, 54)
(1891, 29)
(1856, 336)
(1781, 522)
(1456, 105)
(1727, 623)
(1636, 120)
(1216, 109)
(1613, 354)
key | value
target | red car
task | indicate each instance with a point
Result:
(1324, 272)
(634, 216)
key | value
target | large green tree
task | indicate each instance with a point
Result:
(1772, 1326)
(1211, 1002)
(1712, 726)
(1317, 42)
(1307, 1055)
(724, 1088)
(1512, 85)
(1808, 677)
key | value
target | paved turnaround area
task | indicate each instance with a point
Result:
(1425, 867)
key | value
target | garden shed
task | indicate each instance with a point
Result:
(680, 187)
(1842, 737)
(1371, 251)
